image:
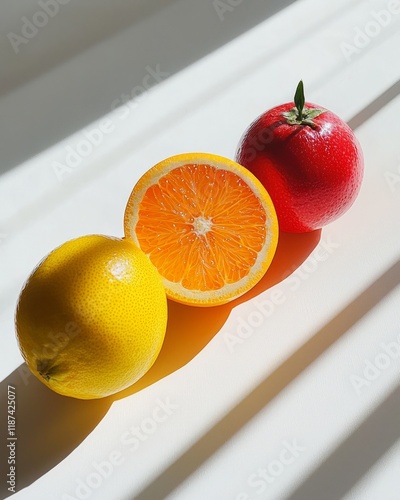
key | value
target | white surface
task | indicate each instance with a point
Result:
(206, 107)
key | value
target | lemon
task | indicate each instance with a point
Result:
(91, 318)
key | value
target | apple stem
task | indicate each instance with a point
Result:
(299, 99)
(301, 115)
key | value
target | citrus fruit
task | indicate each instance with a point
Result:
(308, 159)
(91, 318)
(206, 223)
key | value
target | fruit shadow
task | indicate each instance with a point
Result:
(49, 426)
(190, 328)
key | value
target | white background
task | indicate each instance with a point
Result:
(292, 376)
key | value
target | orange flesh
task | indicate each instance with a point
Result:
(190, 225)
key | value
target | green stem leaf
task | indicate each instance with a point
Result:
(299, 99)
(301, 115)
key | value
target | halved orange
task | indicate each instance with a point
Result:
(206, 223)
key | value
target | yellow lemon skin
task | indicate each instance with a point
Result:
(92, 316)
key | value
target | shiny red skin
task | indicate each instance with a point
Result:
(313, 175)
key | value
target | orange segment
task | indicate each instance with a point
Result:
(207, 224)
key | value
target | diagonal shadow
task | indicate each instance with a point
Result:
(43, 116)
(53, 425)
(269, 388)
(376, 105)
(356, 455)
(50, 426)
(210, 442)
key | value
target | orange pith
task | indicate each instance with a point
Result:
(207, 225)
